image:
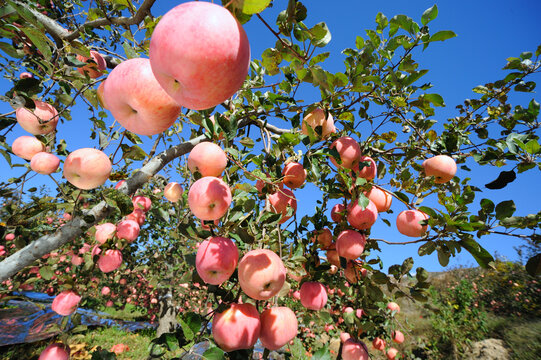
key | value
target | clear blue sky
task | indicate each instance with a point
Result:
(488, 33)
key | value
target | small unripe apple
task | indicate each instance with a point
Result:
(408, 223)
(442, 167)
(313, 295)
(294, 175)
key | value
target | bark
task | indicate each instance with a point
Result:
(168, 314)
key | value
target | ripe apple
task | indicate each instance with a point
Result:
(66, 302)
(110, 260)
(382, 199)
(9, 237)
(137, 101)
(56, 351)
(42, 120)
(332, 255)
(172, 191)
(313, 295)
(208, 159)
(279, 326)
(128, 230)
(44, 163)
(398, 336)
(362, 219)
(367, 172)
(237, 327)
(209, 198)
(294, 175)
(137, 215)
(350, 244)
(407, 223)
(105, 232)
(324, 238)
(391, 353)
(442, 167)
(87, 168)
(281, 201)
(349, 151)
(27, 146)
(93, 69)
(261, 274)
(335, 212)
(317, 118)
(378, 344)
(25, 75)
(393, 306)
(354, 350)
(200, 54)
(216, 260)
(344, 336)
(141, 202)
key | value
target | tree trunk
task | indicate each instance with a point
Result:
(168, 314)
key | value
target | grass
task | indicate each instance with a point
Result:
(522, 337)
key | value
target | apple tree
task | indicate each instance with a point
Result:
(175, 98)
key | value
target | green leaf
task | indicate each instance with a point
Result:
(46, 272)
(442, 35)
(505, 209)
(402, 196)
(133, 152)
(363, 201)
(10, 50)
(382, 22)
(435, 99)
(248, 142)
(251, 7)
(271, 58)
(297, 350)
(429, 14)
(119, 200)
(322, 353)
(130, 52)
(487, 205)
(321, 35)
(427, 248)
(443, 257)
(480, 255)
(214, 353)
(39, 39)
(533, 266)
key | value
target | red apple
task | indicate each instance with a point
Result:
(391, 353)
(110, 260)
(313, 295)
(349, 151)
(393, 307)
(332, 256)
(335, 212)
(137, 101)
(407, 223)
(128, 230)
(281, 201)
(66, 302)
(279, 326)
(208, 159)
(9, 237)
(294, 175)
(42, 120)
(200, 54)
(261, 274)
(378, 344)
(354, 350)
(216, 260)
(350, 244)
(105, 290)
(442, 167)
(87, 168)
(317, 118)
(44, 163)
(236, 328)
(382, 199)
(27, 146)
(141, 202)
(172, 191)
(398, 336)
(56, 351)
(25, 75)
(324, 238)
(367, 172)
(344, 336)
(209, 198)
(93, 69)
(105, 232)
(362, 219)
(137, 215)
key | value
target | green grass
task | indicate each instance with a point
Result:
(521, 336)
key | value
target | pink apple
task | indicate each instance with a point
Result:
(442, 167)
(44, 163)
(297, 295)
(141, 202)
(344, 336)
(324, 238)
(208, 159)
(281, 201)
(137, 101)
(128, 230)
(350, 244)
(105, 232)
(105, 290)
(110, 260)
(318, 119)
(382, 199)
(335, 212)
(216, 260)
(209, 198)
(349, 151)
(25, 75)
(94, 69)
(407, 223)
(313, 295)
(137, 215)
(393, 307)
(378, 344)
(360, 218)
(42, 120)
(200, 54)
(27, 146)
(261, 274)
(279, 326)
(10, 237)
(367, 172)
(236, 328)
(391, 353)
(354, 350)
(87, 168)
(56, 351)
(294, 175)
(101, 98)
(66, 302)
(76, 260)
(398, 336)
(332, 256)
(173, 192)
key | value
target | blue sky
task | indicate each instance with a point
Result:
(488, 33)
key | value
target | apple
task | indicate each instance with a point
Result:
(105, 232)
(128, 230)
(315, 119)
(393, 307)
(25, 75)
(378, 344)
(349, 151)
(110, 260)
(344, 336)
(208, 159)
(407, 223)
(332, 255)
(137, 101)
(141, 202)
(335, 212)
(199, 54)
(281, 201)
(10, 237)
(382, 199)
(137, 215)
(236, 328)
(397, 336)
(209, 198)
(367, 172)
(44, 163)
(354, 350)
(119, 348)
(324, 238)
(66, 302)
(94, 69)
(172, 191)
(87, 168)
(261, 274)
(27, 146)
(442, 167)
(279, 326)
(216, 260)
(56, 351)
(42, 120)
(294, 175)
(391, 353)
(360, 218)
(313, 295)
(350, 244)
